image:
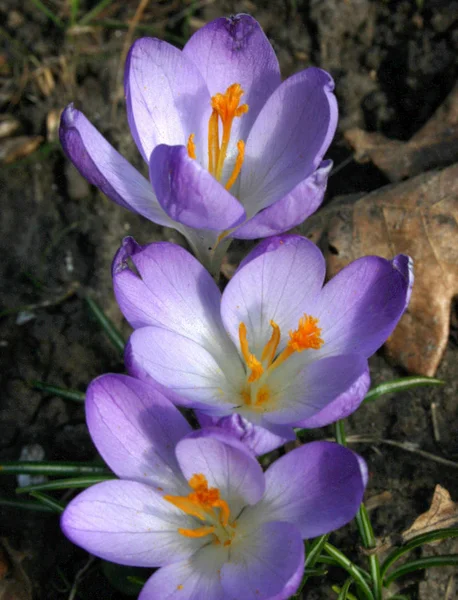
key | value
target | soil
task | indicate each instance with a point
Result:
(394, 62)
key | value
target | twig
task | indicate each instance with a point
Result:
(408, 447)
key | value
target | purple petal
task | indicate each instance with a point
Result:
(264, 563)
(289, 138)
(167, 98)
(227, 465)
(128, 523)
(186, 368)
(197, 578)
(342, 406)
(318, 487)
(105, 168)
(359, 308)
(189, 194)
(291, 210)
(278, 281)
(235, 50)
(170, 289)
(258, 439)
(299, 393)
(136, 429)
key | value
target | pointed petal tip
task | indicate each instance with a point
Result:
(129, 247)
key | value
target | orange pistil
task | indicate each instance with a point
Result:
(201, 503)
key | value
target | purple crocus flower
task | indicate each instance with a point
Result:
(231, 150)
(198, 505)
(276, 347)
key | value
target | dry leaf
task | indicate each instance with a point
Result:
(417, 217)
(14, 148)
(8, 125)
(14, 582)
(434, 145)
(442, 513)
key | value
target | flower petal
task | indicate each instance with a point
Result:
(184, 367)
(194, 579)
(171, 289)
(345, 404)
(189, 194)
(128, 523)
(135, 429)
(105, 168)
(279, 280)
(298, 392)
(264, 562)
(227, 465)
(167, 98)
(291, 210)
(289, 138)
(318, 487)
(359, 308)
(258, 439)
(236, 50)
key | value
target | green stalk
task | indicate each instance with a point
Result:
(18, 467)
(400, 385)
(446, 560)
(346, 564)
(25, 505)
(365, 528)
(48, 501)
(94, 12)
(74, 395)
(45, 10)
(106, 324)
(419, 540)
(65, 484)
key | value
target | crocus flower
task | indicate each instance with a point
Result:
(276, 347)
(198, 505)
(231, 150)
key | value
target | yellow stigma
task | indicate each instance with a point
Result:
(307, 336)
(226, 107)
(201, 503)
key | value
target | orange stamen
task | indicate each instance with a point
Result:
(307, 335)
(263, 396)
(191, 147)
(213, 142)
(197, 533)
(238, 164)
(270, 348)
(250, 359)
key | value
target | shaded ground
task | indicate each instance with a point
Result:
(393, 66)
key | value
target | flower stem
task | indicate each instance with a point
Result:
(365, 528)
(346, 564)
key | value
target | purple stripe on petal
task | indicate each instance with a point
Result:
(135, 429)
(280, 281)
(289, 138)
(291, 210)
(342, 406)
(361, 305)
(105, 168)
(236, 50)
(318, 486)
(167, 98)
(128, 523)
(189, 194)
